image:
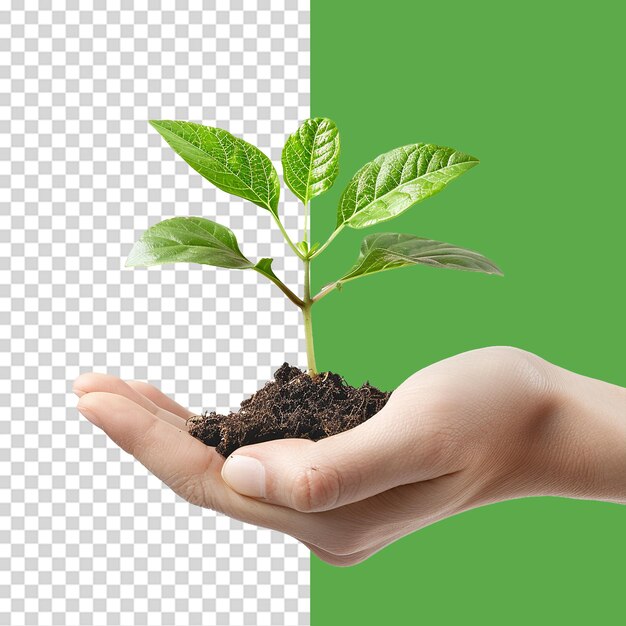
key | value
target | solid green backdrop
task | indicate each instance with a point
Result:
(534, 90)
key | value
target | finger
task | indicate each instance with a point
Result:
(354, 558)
(392, 448)
(167, 451)
(185, 464)
(356, 531)
(390, 515)
(89, 383)
(159, 398)
(342, 557)
(341, 560)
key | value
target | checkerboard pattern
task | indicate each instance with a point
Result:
(88, 536)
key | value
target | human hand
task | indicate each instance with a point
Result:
(481, 427)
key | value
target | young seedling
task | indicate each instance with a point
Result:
(378, 192)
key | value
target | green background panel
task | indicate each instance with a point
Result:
(535, 90)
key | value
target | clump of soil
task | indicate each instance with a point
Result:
(294, 404)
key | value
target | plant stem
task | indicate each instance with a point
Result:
(281, 285)
(333, 235)
(286, 236)
(324, 292)
(308, 333)
(308, 326)
(305, 234)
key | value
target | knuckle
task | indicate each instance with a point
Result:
(531, 371)
(315, 488)
(195, 487)
(517, 361)
(188, 489)
(194, 490)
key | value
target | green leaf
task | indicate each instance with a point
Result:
(188, 240)
(230, 163)
(311, 158)
(264, 266)
(386, 251)
(396, 180)
(303, 247)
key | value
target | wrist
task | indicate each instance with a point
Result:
(583, 454)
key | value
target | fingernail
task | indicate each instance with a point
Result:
(89, 415)
(246, 475)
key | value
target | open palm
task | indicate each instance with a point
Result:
(480, 427)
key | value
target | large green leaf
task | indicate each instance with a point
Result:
(311, 158)
(230, 163)
(387, 251)
(188, 240)
(396, 180)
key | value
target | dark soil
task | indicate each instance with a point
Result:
(294, 404)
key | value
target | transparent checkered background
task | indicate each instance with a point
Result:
(88, 536)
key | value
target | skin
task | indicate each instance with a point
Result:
(481, 427)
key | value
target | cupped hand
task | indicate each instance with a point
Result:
(484, 426)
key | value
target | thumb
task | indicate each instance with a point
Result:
(388, 450)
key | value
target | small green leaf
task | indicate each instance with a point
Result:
(396, 180)
(264, 266)
(303, 246)
(311, 158)
(230, 163)
(387, 251)
(188, 240)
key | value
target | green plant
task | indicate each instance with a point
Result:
(379, 191)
